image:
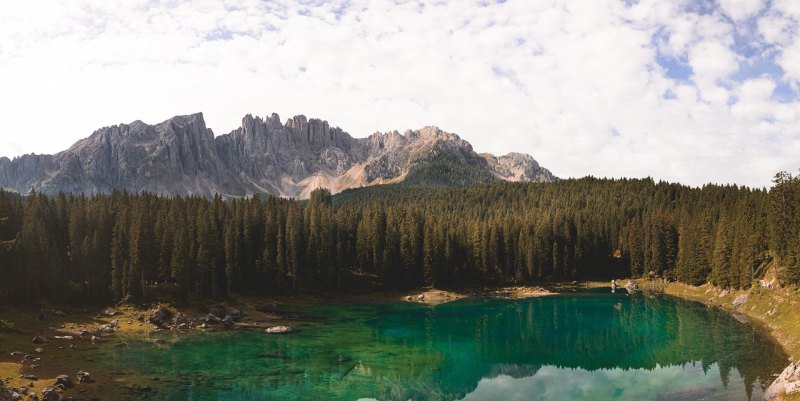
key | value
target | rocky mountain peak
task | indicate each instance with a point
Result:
(181, 156)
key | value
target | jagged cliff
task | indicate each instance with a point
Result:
(181, 156)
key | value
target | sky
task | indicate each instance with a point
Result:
(692, 91)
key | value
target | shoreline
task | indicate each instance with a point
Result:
(776, 310)
(73, 334)
(772, 309)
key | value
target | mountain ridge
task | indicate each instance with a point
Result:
(181, 156)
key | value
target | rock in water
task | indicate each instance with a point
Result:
(279, 330)
(84, 377)
(787, 383)
(64, 382)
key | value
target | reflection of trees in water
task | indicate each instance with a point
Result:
(421, 353)
(484, 339)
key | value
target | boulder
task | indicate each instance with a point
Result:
(228, 322)
(218, 312)
(179, 319)
(788, 383)
(40, 340)
(50, 394)
(5, 394)
(279, 330)
(632, 287)
(739, 301)
(64, 382)
(84, 377)
(160, 316)
(212, 319)
(8, 395)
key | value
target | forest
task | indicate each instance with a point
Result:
(142, 247)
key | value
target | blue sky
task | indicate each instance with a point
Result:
(689, 91)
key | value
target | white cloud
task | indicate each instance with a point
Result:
(776, 28)
(741, 9)
(550, 78)
(789, 60)
(754, 100)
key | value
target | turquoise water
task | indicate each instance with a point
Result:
(586, 346)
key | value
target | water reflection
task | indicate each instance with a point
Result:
(587, 346)
(651, 339)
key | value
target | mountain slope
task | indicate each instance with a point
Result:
(181, 156)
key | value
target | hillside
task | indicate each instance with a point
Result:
(118, 246)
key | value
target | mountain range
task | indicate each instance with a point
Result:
(181, 156)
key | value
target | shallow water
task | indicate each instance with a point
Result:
(585, 346)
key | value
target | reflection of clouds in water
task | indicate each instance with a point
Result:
(662, 384)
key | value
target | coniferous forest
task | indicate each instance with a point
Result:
(140, 247)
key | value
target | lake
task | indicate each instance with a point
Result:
(589, 345)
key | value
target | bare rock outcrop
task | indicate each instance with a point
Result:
(181, 156)
(788, 383)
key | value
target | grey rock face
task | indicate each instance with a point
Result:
(181, 156)
(788, 383)
(517, 167)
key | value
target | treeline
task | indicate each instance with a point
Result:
(140, 246)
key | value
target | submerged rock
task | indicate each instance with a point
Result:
(64, 382)
(137, 388)
(84, 377)
(279, 330)
(787, 383)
